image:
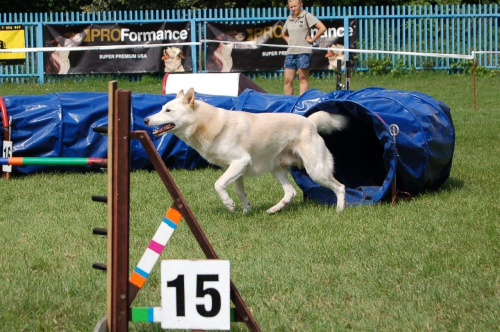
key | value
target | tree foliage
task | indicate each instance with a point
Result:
(16, 6)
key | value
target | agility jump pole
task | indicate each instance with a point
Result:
(155, 248)
(122, 290)
(53, 161)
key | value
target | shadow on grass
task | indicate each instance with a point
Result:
(451, 184)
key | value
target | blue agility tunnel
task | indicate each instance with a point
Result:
(367, 156)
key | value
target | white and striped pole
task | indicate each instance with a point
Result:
(155, 248)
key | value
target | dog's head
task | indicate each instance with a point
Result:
(172, 53)
(334, 53)
(78, 37)
(175, 115)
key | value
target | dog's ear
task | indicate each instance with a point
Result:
(189, 97)
(180, 94)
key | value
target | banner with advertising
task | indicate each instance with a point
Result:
(12, 36)
(246, 53)
(167, 58)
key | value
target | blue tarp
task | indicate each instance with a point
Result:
(366, 156)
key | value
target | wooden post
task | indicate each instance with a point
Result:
(112, 87)
(118, 208)
(339, 75)
(348, 66)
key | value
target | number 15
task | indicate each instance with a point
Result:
(201, 292)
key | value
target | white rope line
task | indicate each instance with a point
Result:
(355, 50)
(486, 52)
(91, 48)
(142, 46)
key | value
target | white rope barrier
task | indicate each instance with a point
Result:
(92, 48)
(247, 44)
(355, 50)
(486, 52)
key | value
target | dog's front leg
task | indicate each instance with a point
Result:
(235, 170)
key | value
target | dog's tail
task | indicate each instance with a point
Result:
(328, 122)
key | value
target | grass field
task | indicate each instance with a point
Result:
(432, 263)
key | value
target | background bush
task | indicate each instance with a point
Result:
(13, 6)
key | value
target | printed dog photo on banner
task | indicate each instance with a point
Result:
(334, 54)
(333, 40)
(172, 58)
(58, 61)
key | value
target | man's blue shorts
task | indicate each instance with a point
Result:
(298, 61)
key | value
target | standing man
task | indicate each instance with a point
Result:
(296, 32)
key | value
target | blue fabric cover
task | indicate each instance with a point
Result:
(366, 156)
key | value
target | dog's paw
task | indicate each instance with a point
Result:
(275, 208)
(271, 211)
(247, 208)
(230, 206)
(340, 205)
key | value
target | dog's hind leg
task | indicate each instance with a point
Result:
(320, 169)
(328, 181)
(232, 173)
(282, 176)
(242, 195)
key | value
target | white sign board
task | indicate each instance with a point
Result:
(7, 153)
(195, 294)
(218, 84)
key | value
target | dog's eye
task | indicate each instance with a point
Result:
(167, 110)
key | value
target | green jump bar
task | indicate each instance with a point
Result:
(52, 161)
(152, 314)
(143, 315)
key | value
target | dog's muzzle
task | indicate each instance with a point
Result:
(162, 130)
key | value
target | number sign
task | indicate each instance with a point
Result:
(195, 294)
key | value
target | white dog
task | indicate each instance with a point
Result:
(172, 58)
(223, 58)
(335, 54)
(244, 143)
(59, 60)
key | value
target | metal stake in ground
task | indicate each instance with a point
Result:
(394, 130)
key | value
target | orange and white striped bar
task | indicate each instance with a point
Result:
(156, 246)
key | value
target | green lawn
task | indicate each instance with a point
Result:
(431, 263)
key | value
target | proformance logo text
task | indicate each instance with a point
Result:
(125, 35)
